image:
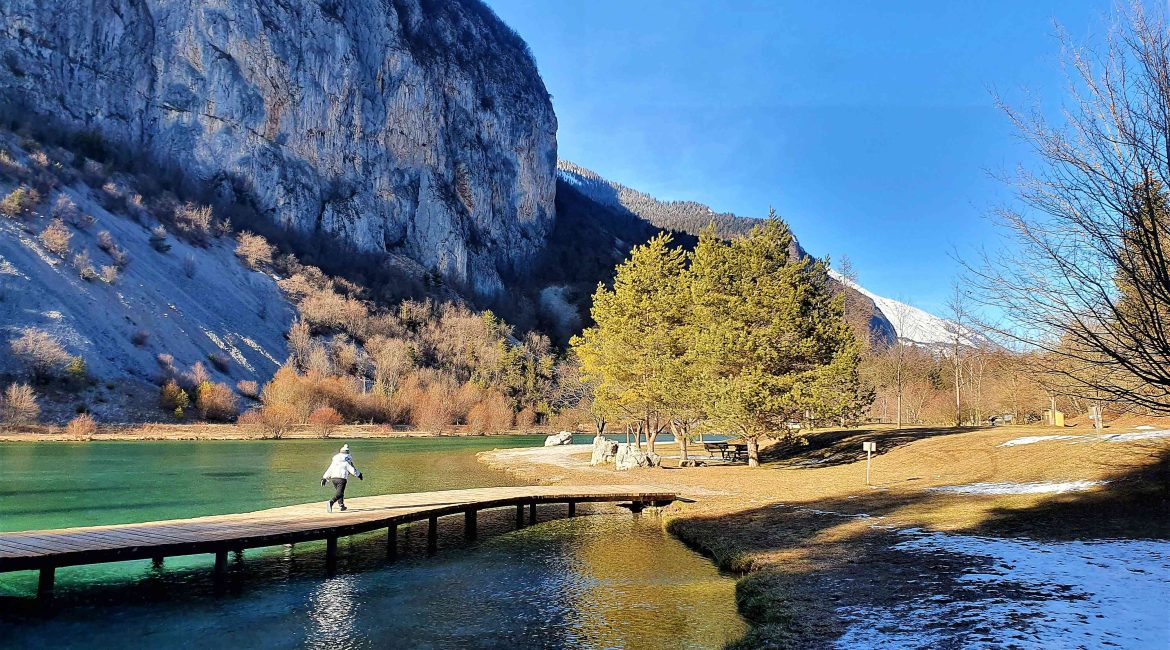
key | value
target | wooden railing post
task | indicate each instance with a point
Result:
(572, 508)
(532, 513)
(519, 515)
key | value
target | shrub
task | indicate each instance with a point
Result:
(84, 266)
(277, 418)
(65, 209)
(140, 338)
(254, 250)
(526, 418)
(117, 254)
(251, 420)
(83, 426)
(197, 375)
(20, 202)
(106, 241)
(172, 397)
(165, 361)
(491, 415)
(18, 404)
(432, 408)
(76, 369)
(55, 238)
(299, 342)
(215, 401)
(39, 352)
(194, 221)
(248, 388)
(158, 239)
(218, 361)
(323, 420)
(109, 274)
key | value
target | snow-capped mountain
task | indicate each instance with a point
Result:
(916, 325)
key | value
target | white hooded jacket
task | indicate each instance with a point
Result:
(340, 467)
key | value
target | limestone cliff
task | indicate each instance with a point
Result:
(416, 127)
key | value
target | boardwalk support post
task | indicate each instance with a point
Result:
(392, 542)
(156, 562)
(572, 508)
(331, 554)
(45, 583)
(432, 534)
(469, 524)
(220, 569)
(532, 513)
(519, 515)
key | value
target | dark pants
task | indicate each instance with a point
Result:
(339, 492)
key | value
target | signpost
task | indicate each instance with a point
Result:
(869, 448)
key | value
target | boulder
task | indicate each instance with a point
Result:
(604, 450)
(630, 456)
(557, 439)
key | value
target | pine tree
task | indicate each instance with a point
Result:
(770, 341)
(629, 355)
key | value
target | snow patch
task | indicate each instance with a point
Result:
(1108, 437)
(1029, 594)
(1019, 488)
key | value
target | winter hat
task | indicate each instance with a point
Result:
(345, 449)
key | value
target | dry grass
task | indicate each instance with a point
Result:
(798, 525)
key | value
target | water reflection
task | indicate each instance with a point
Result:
(332, 612)
(602, 581)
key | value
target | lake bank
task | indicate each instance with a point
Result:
(176, 431)
(822, 554)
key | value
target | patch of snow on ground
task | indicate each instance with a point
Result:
(1028, 440)
(1029, 594)
(1108, 437)
(1020, 488)
(1144, 427)
(1129, 437)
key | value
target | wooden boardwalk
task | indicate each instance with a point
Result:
(45, 550)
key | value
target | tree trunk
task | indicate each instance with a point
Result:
(681, 438)
(753, 444)
(899, 424)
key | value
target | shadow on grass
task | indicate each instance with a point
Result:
(843, 446)
(805, 561)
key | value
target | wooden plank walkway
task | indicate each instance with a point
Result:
(47, 549)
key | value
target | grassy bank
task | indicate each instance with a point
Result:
(810, 538)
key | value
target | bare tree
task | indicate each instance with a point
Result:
(1087, 280)
(956, 339)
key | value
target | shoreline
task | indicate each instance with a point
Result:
(803, 532)
(188, 432)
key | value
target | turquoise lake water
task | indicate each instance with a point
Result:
(611, 580)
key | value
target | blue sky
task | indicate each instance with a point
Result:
(870, 126)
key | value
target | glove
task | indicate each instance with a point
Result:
(361, 477)
(322, 482)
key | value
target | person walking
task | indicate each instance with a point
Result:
(339, 469)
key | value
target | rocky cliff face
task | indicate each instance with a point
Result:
(416, 127)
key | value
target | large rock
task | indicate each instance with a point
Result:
(630, 456)
(604, 450)
(556, 439)
(415, 128)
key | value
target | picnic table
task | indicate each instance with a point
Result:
(729, 451)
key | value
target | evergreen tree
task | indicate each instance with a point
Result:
(770, 341)
(630, 354)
